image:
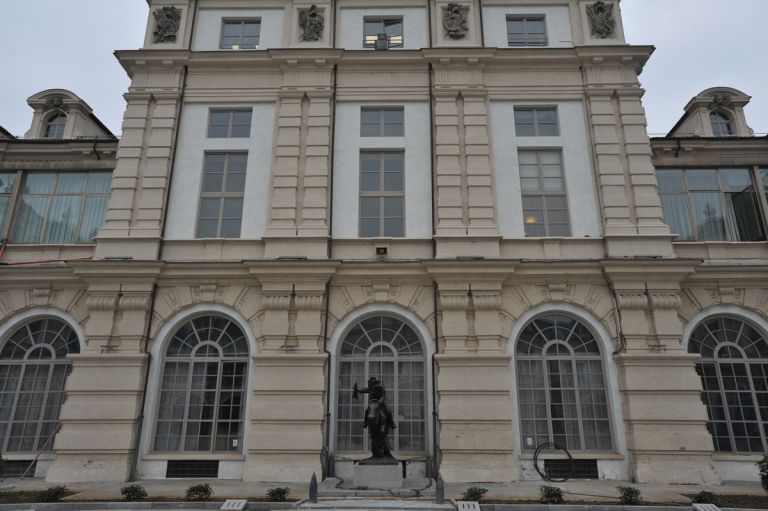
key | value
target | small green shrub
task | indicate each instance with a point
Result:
(629, 496)
(278, 494)
(54, 494)
(199, 492)
(705, 497)
(134, 492)
(474, 494)
(762, 466)
(551, 495)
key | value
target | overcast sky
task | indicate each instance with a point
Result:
(68, 44)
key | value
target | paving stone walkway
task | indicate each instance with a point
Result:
(526, 490)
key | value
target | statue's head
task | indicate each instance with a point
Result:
(373, 381)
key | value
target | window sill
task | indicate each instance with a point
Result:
(28, 456)
(581, 455)
(164, 456)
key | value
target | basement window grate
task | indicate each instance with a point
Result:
(573, 469)
(15, 468)
(184, 469)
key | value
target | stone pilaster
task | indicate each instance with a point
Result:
(464, 182)
(142, 175)
(664, 417)
(100, 418)
(285, 437)
(476, 438)
(625, 175)
(299, 201)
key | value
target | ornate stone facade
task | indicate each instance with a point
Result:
(297, 289)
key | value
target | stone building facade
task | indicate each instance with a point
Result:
(458, 198)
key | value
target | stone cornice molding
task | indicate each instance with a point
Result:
(135, 302)
(106, 301)
(632, 300)
(275, 300)
(454, 300)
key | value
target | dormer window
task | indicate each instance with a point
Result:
(721, 125)
(54, 128)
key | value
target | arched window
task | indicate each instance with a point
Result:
(203, 388)
(734, 375)
(54, 128)
(33, 369)
(390, 350)
(721, 125)
(561, 385)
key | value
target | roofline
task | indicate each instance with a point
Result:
(8, 133)
(717, 139)
(102, 126)
(62, 141)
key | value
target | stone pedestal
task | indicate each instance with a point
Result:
(378, 477)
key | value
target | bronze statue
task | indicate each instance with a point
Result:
(378, 420)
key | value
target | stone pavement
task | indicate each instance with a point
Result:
(525, 490)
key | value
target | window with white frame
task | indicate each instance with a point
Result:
(53, 207)
(526, 31)
(33, 370)
(734, 376)
(545, 204)
(721, 125)
(390, 350)
(382, 122)
(230, 123)
(711, 204)
(54, 128)
(536, 122)
(390, 26)
(203, 388)
(221, 197)
(561, 385)
(382, 194)
(240, 34)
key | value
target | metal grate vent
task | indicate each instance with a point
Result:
(573, 469)
(16, 468)
(184, 469)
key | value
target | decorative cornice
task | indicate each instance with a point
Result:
(308, 301)
(137, 302)
(276, 300)
(454, 300)
(102, 301)
(486, 300)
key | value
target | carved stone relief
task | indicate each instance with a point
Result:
(601, 20)
(167, 23)
(720, 102)
(56, 103)
(455, 20)
(312, 23)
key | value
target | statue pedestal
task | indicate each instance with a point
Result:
(377, 477)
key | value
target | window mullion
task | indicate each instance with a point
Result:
(5, 230)
(574, 368)
(183, 439)
(14, 406)
(216, 401)
(547, 398)
(724, 398)
(41, 419)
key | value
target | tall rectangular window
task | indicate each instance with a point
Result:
(230, 123)
(526, 31)
(392, 27)
(55, 207)
(711, 204)
(240, 34)
(382, 194)
(536, 122)
(381, 122)
(221, 198)
(7, 185)
(545, 204)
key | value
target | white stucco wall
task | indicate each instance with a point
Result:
(577, 167)
(415, 26)
(346, 176)
(208, 29)
(557, 18)
(187, 175)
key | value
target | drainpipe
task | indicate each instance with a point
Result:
(435, 416)
(328, 468)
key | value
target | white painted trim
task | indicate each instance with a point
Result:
(611, 378)
(333, 346)
(14, 321)
(147, 468)
(758, 321)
